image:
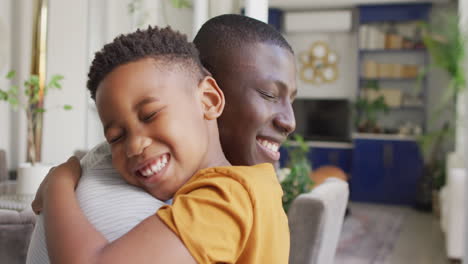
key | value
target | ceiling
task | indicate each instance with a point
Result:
(326, 4)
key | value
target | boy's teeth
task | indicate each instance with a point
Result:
(155, 167)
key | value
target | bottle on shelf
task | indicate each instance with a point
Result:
(393, 40)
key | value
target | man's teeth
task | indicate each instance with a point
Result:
(269, 145)
(154, 167)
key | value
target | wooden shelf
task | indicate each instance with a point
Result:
(362, 79)
(404, 108)
(375, 51)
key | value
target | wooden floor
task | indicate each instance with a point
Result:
(421, 241)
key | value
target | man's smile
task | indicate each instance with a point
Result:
(269, 147)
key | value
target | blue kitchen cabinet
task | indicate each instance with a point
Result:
(385, 171)
(321, 154)
(339, 157)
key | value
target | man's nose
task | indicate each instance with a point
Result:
(285, 121)
(136, 145)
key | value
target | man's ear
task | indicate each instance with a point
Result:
(212, 98)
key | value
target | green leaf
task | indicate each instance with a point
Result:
(3, 95)
(55, 81)
(180, 3)
(10, 75)
(39, 110)
(131, 8)
(34, 80)
(34, 99)
(419, 79)
(13, 90)
(67, 107)
(13, 101)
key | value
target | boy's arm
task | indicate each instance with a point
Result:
(72, 239)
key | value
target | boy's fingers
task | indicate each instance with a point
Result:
(36, 206)
(74, 164)
(37, 203)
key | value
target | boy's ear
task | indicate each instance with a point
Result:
(212, 98)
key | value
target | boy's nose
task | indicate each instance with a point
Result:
(136, 145)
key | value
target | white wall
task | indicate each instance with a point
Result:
(64, 131)
(21, 16)
(219, 7)
(5, 66)
(321, 4)
(344, 44)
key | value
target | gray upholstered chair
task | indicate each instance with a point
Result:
(15, 227)
(315, 221)
(15, 232)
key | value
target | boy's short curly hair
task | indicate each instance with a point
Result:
(158, 43)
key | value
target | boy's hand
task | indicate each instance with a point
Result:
(67, 173)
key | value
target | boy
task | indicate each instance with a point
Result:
(159, 109)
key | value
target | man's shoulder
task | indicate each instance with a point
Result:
(98, 157)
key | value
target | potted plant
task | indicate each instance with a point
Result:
(445, 44)
(297, 179)
(30, 174)
(368, 110)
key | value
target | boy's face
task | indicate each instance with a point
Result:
(259, 83)
(153, 117)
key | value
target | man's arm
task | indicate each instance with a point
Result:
(72, 239)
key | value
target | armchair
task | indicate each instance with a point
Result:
(315, 221)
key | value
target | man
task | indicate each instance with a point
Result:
(254, 66)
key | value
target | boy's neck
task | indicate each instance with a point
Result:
(215, 156)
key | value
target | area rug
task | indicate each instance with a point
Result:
(369, 233)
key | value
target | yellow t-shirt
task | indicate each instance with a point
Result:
(231, 215)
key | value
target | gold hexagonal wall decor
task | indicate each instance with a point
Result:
(319, 64)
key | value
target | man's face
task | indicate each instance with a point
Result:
(153, 118)
(259, 83)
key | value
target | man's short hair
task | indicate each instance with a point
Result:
(163, 44)
(227, 32)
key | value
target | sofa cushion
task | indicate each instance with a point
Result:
(15, 233)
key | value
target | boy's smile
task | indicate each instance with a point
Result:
(150, 170)
(154, 117)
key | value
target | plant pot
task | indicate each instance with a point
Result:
(30, 177)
